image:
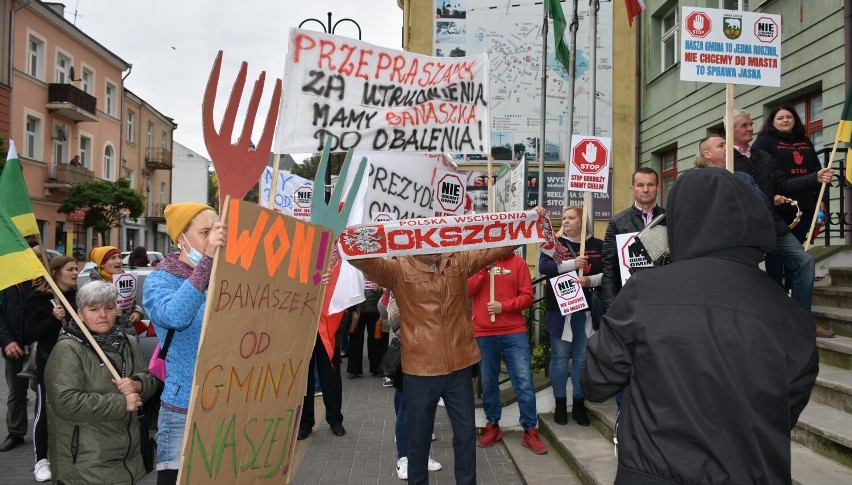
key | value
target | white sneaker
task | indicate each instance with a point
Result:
(387, 382)
(42, 471)
(434, 465)
(434, 437)
(402, 468)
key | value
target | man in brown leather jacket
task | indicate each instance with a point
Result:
(438, 347)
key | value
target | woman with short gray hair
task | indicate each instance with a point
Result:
(92, 420)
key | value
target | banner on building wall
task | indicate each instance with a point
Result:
(260, 326)
(373, 98)
(730, 46)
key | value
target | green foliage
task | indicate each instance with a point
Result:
(212, 190)
(540, 358)
(106, 203)
(308, 168)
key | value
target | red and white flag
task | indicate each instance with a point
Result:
(634, 8)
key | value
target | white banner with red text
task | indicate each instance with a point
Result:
(441, 234)
(373, 98)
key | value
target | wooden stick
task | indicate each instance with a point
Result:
(583, 229)
(274, 185)
(819, 198)
(729, 127)
(491, 209)
(83, 328)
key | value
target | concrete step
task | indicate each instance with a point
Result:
(834, 317)
(827, 431)
(538, 469)
(585, 451)
(833, 296)
(835, 351)
(841, 276)
(833, 388)
(809, 468)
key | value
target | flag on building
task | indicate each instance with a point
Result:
(634, 8)
(844, 129)
(18, 261)
(14, 197)
(554, 10)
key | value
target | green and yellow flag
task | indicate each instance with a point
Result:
(14, 197)
(844, 130)
(18, 261)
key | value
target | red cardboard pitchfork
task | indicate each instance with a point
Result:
(238, 165)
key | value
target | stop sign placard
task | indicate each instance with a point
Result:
(449, 193)
(697, 24)
(590, 159)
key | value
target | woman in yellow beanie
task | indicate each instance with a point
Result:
(174, 297)
(107, 261)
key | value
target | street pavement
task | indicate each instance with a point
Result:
(366, 454)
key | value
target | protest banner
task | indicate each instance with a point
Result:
(125, 283)
(569, 293)
(590, 161)
(629, 255)
(730, 46)
(401, 184)
(260, 325)
(440, 234)
(509, 189)
(285, 189)
(373, 98)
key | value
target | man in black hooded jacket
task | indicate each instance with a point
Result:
(719, 360)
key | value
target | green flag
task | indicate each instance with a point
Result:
(18, 261)
(554, 9)
(14, 198)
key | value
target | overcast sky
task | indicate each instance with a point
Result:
(172, 45)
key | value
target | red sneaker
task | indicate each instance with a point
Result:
(492, 434)
(533, 442)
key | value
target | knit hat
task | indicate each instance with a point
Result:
(178, 217)
(102, 253)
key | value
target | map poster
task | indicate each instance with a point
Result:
(510, 33)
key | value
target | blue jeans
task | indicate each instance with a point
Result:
(561, 351)
(170, 428)
(421, 401)
(800, 265)
(515, 348)
(401, 424)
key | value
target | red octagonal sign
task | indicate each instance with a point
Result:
(698, 24)
(450, 193)
(590, 156)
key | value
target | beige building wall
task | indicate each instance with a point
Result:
(59, 39)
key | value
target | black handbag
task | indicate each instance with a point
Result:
(392, 359)
(147, 445)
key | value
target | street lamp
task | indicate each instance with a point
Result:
(329, 28)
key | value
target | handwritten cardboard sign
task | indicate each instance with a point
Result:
(730, 46)
(440, 234)
(569, 293)
(372, 98)
(260, 325)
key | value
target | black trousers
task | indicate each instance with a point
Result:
(330, 383)
(375, 347)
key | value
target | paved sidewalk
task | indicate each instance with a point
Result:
(366, 454)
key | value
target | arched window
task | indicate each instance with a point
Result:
(108, 158)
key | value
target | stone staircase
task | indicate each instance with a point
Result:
(822, 439)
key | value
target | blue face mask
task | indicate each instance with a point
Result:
(193, 255)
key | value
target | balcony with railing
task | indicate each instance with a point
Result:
(156, 212)
(158, 159)
(64, 176)
(71, 102)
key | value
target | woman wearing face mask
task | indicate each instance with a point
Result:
(45, 317)
(107, 261)
(174, 296)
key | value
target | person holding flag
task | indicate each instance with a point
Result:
(20, 266)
